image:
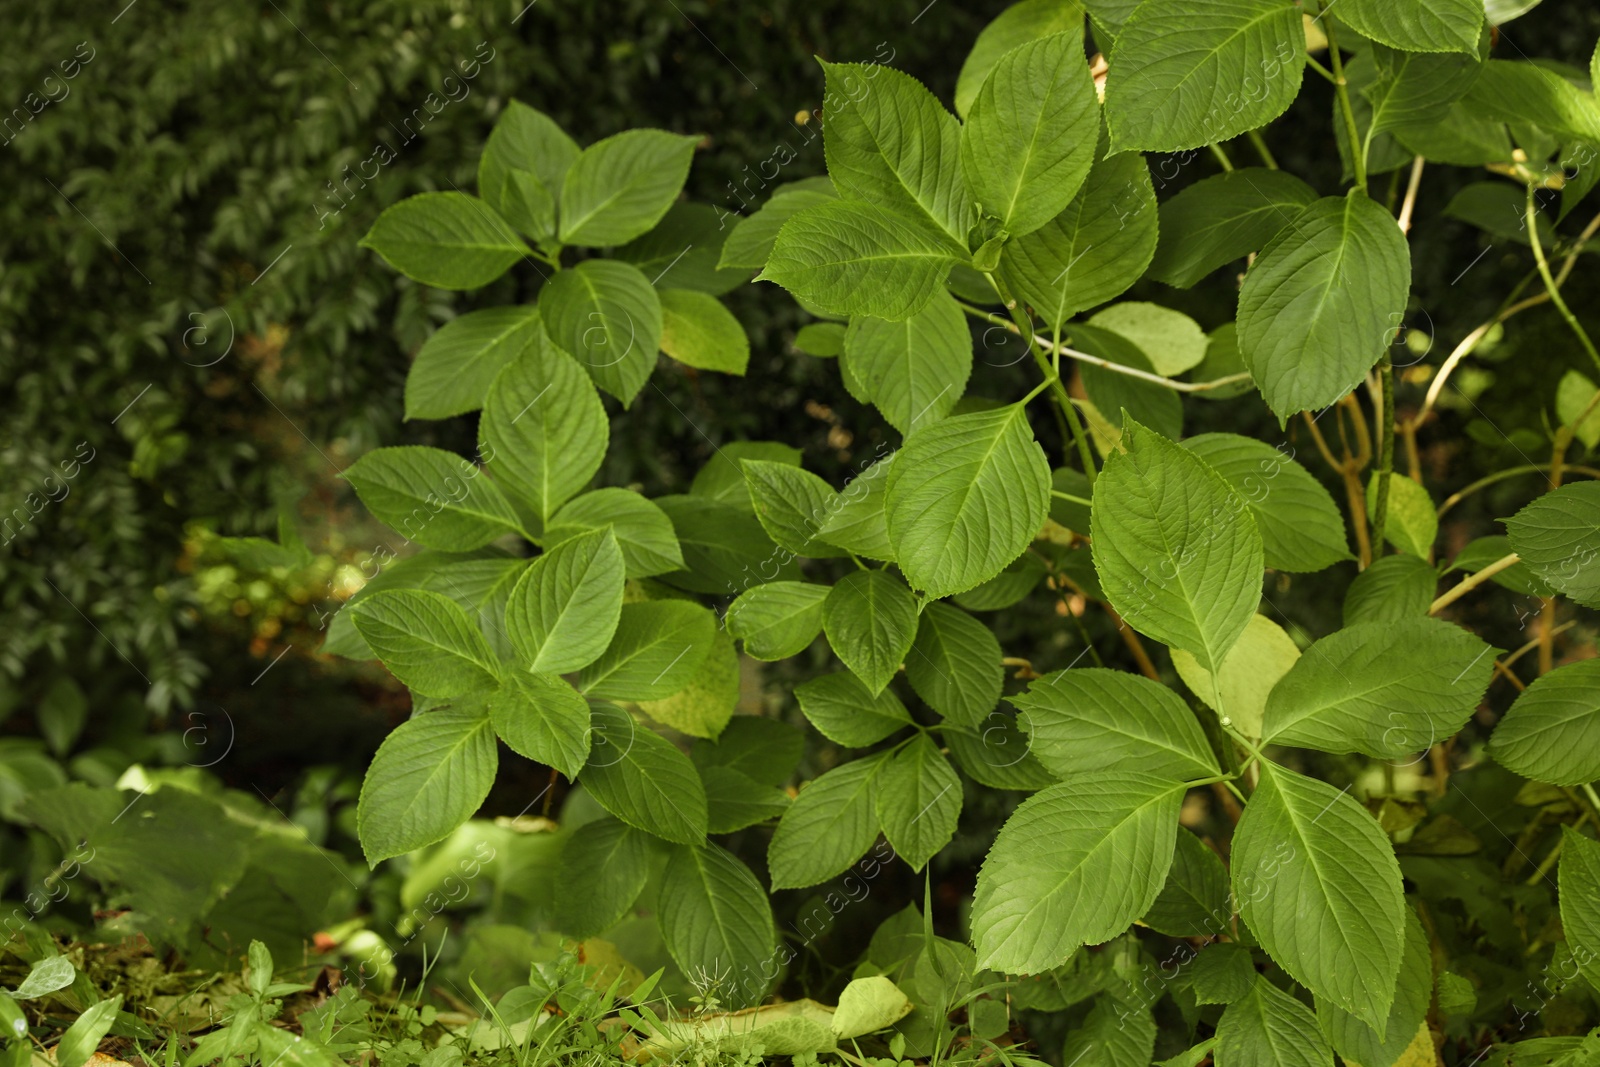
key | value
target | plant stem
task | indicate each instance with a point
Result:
(1071, 498)
(1380, 507)
(1262, 150)
(1550, 285)
(1510, 472)
(1320, 69)
(1341, 88)
(1472, 581)
(1222, 157)
(1410, 202)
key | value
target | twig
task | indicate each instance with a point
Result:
(1410, 202)
(1472, 581)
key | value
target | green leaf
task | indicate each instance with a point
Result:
(619, 188)
(564, 609)
(641, 778)
(1262, 655)
(432, 497)
(735, 801)
(1301, 527)
(1270, 1028)
(996, 755)
(1381, 688)
(889, 143)
(522, 166)
(1176, 549)
(828, 827)
(870, 618)
(1355, 1041)
(954, 665)
(859, 524)
(1552, 731)
(1171, 340)
(1417, 25)
(1321, 303)
(698, 331)
(725, 550)
(749, 244)
(825, 340)
(643, 532)
(919, 800)
(544, 430)
(1030, 137)
(1013, 584)
(1314, 876)
(1017, 25)
(707, 701)
(1223, 973)
(541, 717)
(82, 1039)
(847, 713)
(1412, 524)
(1393, 588)
(1574, 393)
(603, 868)
(1207, 77)
(1524, 93)
(868, 1004)
(1194, 902)
(766, 750)
(46, 976)
(446, 240)
(657, 648)
(1223, 218)
(716, 922)
(777, 620)
(1463, 136)
(965, 497)
(913, 370)
(428, 777)
(455, 366)
(683, 251)
(1074, 865)
(722, 478)
(792, 505)
(1094, 249)
(285, 1049)
(1558, 537)
(1118, 1033)
(1580, 900)
(427, 641)
(1413, 90)
(852, 258)
(608, 317)
(1117, 395)
(1090, 719)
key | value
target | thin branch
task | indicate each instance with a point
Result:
(1410, 202)
(1550, 283)
(1472, 581)
(1510, 472)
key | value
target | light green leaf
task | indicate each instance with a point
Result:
(996, 755)
(565, 607)
(620, 187)
(1314, 876)
(1417, 25)
(716, 921)
(749, 244)
(522, 166)
(1574, 394)
(1382, 688)
(1558, 537)
(919, 800)
(722, 478)
(777, 620)
(1224, 972)
(446, 240)
(1207, 77)
(1016, 26)
(543, 718)
(480, 581)
(608, 317)
(853, 258)
(603, 868)
(1090, 719)
(82, 1039)
(1552, 732)
(1321, 303)
(888, 142)
(641, 778)
(1176, 549)
(825, 340)
(1074, 865)
(1301, 527)
(828, 827)
(869, 1004)
(1414, 90)
(645, 534)
(46, 976)
(1412, 524)
(1223, 218)
(1355, 1041)
(1580, 900)
(1012, 585)
(432, 497)
(683, 251)
(429, 776)
(870, 618)
(696, 329)
(1094, 249)
(707, 701)
(913, 370)
(1394, 587)
(954, 665)
(427, 641)
(1520, 92)
(1262, 655)
(1171, 340)
(734, 800)
(859, 525)
(1194, 901)
(965, 497)
(1030, 136)
(846, 712)
(455, 366)
(792, 505)
(1117, 395)
(1270, 1028)
(658, 647)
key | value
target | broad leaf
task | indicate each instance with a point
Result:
(912, 370)
(1412, 524)
(1074, 865)
(722, 478)
(735, 801)
(870, 618)
(608, 317)
(1580, 900)
(919, 800)
(828, 827)
(1115, 1033)
(1552, 732)
(859, 525)
(1016, 26)
(82, 1040)
(1417, 25)
(432, 497)
(1301, 527)
(996, 755)
(1321, 303)
(541, 717)
(705, 703)
(954, 665)
(620, 187)
(766, 750)
(1270, 1028)
(455, 366)
(1194, 902)
(1314, 876)
(1117, 395)
(1262, 655)
(1223, 218)
(643, 532)
(1170, 340)
(697, 330)
(716, 922)
(1414, 90)
(725, 550)
(1090, 719)
(750, 241)
(965, 497)
(1558, 537)
(658, 646)
(428, 777)
(777, 620)
(603, 868)
(1176, 549)
(641, 778)
(683, 251)
(845, 711)
(792, 505)
(1394, 587)
(1355, 1041)
(446, 240)
(522, 166)
(426, 641)
(1222, 974)
(565, 607)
